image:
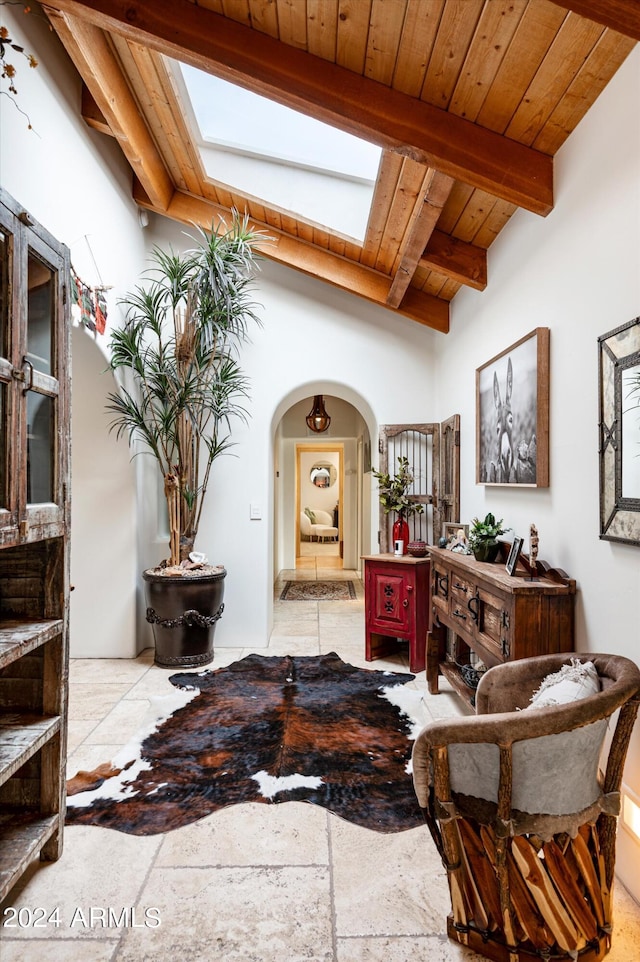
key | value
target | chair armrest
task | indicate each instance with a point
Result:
(305, 524)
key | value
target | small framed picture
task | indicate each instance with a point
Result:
(456, 535)
(514, 554)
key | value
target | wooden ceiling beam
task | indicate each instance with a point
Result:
(316, 262)
(456, 259)
(401, 205)
(389, 171)
(320, 88)
(89, 49)
(623, 16)
(431, 199)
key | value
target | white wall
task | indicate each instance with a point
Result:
(578, 273)
(102, 608)
(76, 184)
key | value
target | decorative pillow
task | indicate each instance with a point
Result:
(310, 515)
(574, 681)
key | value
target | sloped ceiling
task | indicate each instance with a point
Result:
(469, 99)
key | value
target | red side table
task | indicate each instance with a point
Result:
(397, 606)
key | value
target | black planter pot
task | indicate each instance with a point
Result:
(486, 552)
(184, 612)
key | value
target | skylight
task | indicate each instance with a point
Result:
(281, 157)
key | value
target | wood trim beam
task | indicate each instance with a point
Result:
(90, 51)
(431, 199)
(623, 16)
(322, 264)
(455, 146)
(456, 259)
(91, 113)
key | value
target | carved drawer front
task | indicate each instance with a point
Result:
(440, 588)
(493, 626)
(461, 592)
(392, 606)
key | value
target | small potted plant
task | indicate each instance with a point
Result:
(183, 387)
(393, 495)
(483, 538)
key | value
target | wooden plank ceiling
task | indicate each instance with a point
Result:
(469, 99)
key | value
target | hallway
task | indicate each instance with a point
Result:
(314, 556)
(250, 883)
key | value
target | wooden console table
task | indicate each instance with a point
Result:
(396, 606)
(498, 616)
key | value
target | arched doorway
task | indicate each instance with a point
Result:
(352, 425)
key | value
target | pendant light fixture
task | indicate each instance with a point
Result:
(318, 420)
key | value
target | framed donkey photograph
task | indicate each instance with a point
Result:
(512, 414)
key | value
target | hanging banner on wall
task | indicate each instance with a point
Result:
(88, 305)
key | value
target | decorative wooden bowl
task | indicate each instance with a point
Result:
(417, 549)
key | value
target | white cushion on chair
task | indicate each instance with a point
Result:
(573, 682)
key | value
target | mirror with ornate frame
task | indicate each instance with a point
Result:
(619, 428)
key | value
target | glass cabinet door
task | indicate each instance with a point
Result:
(41, 381)
(33, 358)
(4, 313)
(8, 427)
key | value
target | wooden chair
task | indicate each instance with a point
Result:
(523, 808)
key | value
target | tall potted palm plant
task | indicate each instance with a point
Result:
(182, 386)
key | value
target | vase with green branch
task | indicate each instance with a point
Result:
(393, 493)
(177, 356)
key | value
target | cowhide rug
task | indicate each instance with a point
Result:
(265, 729)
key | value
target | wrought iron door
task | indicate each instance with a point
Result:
(433, 451)
(449, 499)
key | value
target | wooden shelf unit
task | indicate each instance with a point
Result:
(33, 711)
(34, 541)
(498, 616)
(22, 839)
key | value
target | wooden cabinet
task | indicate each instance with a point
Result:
(498, 616)
(34, 556)
(396, 606)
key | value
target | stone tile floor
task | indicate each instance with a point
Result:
(251, 883)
